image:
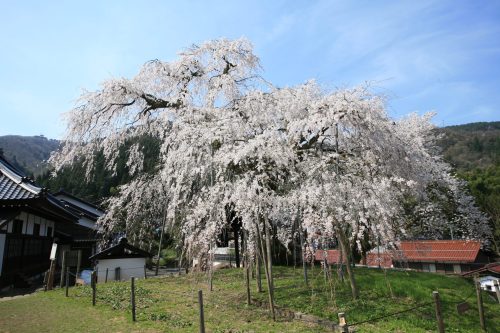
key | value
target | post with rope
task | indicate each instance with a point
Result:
(342, 323)
(67, 280)
(480, 304)
(202, 315)
(497, 289)
(439, 314)
(93, 278)
(132, 296)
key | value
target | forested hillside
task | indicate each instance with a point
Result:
(471, 146)
(28, 153)
(474, 151)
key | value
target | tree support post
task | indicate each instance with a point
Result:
(258, 270)
(269, 267)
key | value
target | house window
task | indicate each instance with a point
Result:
(17, 227)
(49, 231)
(426, 267)
(36, 229)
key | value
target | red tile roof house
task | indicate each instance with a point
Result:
(442, 256)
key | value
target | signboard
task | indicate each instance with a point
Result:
(462, 307)
(53, 251)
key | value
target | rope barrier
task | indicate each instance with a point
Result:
(391, 314)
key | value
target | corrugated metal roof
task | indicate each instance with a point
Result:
(441, 250)
(14, 186)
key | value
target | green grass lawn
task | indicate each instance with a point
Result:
(170, 304)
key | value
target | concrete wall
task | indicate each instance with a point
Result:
(128, 267)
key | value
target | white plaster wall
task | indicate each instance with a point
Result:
(128, 267)
(86, 222)
(29, 221)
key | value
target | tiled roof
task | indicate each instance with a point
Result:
(489, 268)
(440, 250)
(14, 186)
(121, 250)
(332, 256)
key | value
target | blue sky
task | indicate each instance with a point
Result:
(441, 56)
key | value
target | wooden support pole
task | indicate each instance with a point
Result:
(63, 268)
(78, 263)
(132, 296)
(325, 265)
(52, 271)
(342, 323)
(497, 289)
(265, 259)
(439, 314)
(93, 278)
(45, 280)
(303, 252)
(145, 273)
(480, 305)
(106, 276)
(67, 280)
(248, 267)
(202, 315)
(248, 282)
(258, 270)
(117, 274)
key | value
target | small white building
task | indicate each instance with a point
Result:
(488, 282)
(120, 262)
